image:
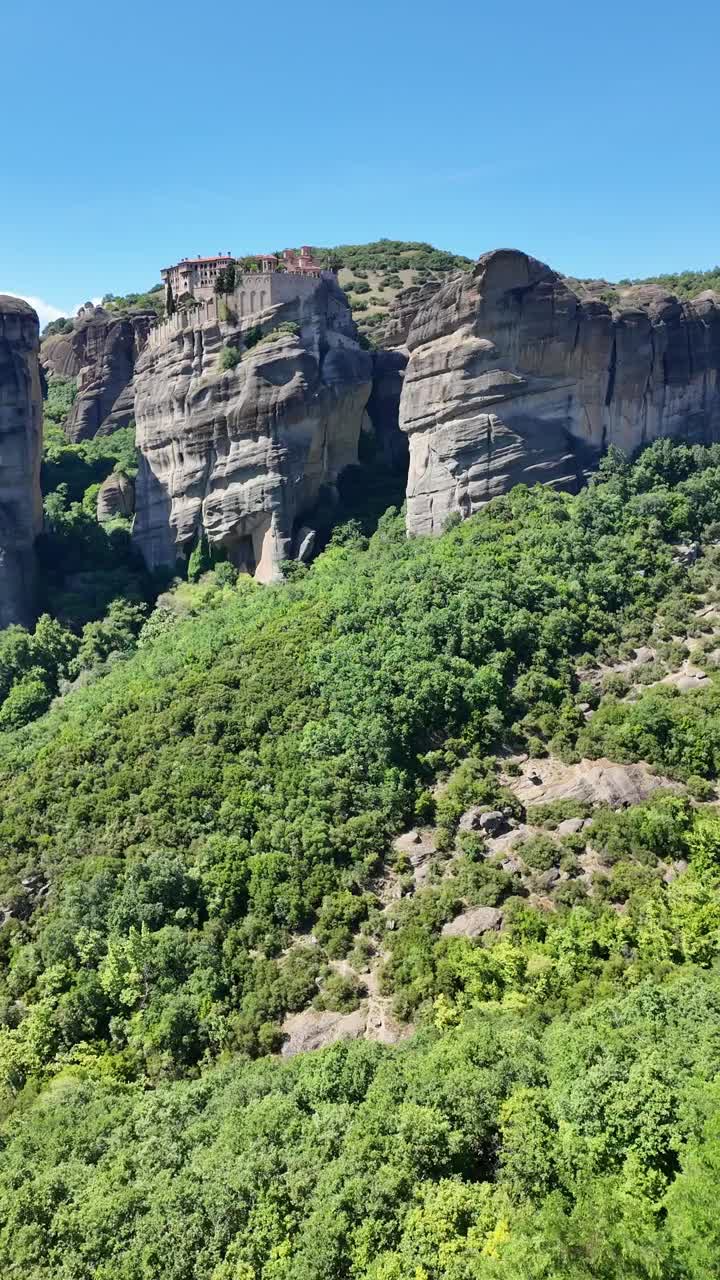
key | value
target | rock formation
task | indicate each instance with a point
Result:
(515, 377)
(100, 351)
(403, 311)
(116, 497)
(20, 450)
(239, 453)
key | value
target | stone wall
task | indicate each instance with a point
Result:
(20, 453)
(255, 292)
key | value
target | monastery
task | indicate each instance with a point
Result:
(198, 275)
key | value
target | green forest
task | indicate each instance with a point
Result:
(202, 782)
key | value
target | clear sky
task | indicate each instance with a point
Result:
(139, 132)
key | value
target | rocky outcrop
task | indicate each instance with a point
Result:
(402, 312)
(470, 924)
(20, 451)
(100, 352)
(238, 454)
(595, 782)
(515, 377)
(116, 497)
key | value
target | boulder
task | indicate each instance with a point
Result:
(116, 497)
(570, 826)
(419, 848)
(515, 376)
(20, 454)
(474, 922)
(490, 822)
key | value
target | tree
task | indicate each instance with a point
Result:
(200, 561)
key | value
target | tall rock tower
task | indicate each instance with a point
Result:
(20, 450)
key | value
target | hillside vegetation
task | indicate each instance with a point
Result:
(373, 274)
(197, 843)
(686, 284)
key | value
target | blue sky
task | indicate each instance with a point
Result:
(141, 132)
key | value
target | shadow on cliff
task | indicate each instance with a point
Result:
(364, 493)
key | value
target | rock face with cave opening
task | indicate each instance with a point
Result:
(239, 454)
(20, 453)
(516, 377)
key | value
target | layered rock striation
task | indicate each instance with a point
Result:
(514, 377)
(20, 452)
(100, 352)
(238, 454)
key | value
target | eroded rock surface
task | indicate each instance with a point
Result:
(116, 497)
(515, 377)
(20, 452)
(595, 782)
(239, 454)
(472, 923)
(101, 353)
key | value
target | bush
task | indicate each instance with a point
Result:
(339, 993)
(229, 358)
(539, 852)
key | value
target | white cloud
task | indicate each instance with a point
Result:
(47, 311)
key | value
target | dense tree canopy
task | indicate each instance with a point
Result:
(232, 778)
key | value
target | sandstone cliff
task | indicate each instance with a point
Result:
(20, 450)
(238, 454)
(101, 352)
(515, 377)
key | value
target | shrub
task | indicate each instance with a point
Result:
(339, 993)
(229, 358)
(539, 852)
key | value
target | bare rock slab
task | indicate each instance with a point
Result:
(313, 1029)
(474, 922)
(595, 782)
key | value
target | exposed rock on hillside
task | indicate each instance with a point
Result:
(513, 377)
(238, 454)
(403, 311)
(116, 497)
(595, 782)
(100, 352)
(20, 450)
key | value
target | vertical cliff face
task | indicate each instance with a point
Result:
(514, 377)
(101, 353)
(20, 450)
(238, 454)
